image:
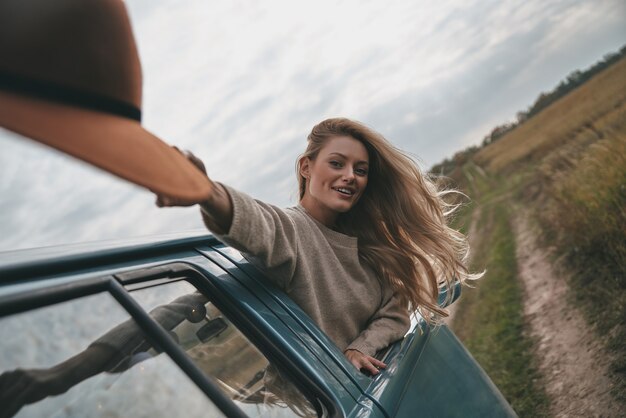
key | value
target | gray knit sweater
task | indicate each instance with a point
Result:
(320, 270)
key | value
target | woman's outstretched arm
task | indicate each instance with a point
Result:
(217, 210)
(262, 231)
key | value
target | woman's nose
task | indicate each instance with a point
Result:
(348, 176)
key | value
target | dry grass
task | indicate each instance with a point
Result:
(584, 219)
(568, 165)
(585, 193)
(554, 127)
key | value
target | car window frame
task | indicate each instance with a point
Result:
(207, 282)
(361, 382)
(25, 301)
(27, 288)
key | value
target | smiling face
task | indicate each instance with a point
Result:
(335, 179)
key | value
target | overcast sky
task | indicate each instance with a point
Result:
(241, 83)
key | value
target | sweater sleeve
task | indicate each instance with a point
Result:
(265, 234)
(389, 324)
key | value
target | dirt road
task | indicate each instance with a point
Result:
(572, 361)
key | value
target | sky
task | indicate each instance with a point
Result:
(241, 84)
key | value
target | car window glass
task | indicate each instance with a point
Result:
(222, 351)
(59, 353)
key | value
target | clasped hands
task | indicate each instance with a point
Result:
(169, 201)
(217, 210)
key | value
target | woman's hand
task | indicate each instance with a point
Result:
(166, 201)
(217, 210)
(364, 362)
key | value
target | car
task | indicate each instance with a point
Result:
(185, 326)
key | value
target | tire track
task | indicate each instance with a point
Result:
(570, 356)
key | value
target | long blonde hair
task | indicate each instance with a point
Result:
(400, 221)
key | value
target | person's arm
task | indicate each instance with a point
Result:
(389, 324)
(217, 210)
(260, 230)
(21, 387)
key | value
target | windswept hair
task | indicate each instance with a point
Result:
(400, 221)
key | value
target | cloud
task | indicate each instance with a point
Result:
(242, 83)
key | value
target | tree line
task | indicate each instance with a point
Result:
(572, 81)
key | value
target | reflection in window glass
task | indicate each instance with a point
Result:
(55, 362)
(222, 351)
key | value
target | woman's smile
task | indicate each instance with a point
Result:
(345, 191)
(335, 179)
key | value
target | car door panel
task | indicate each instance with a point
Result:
(429, 372)
(292, 313)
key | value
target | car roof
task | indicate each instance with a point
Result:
(18, 263)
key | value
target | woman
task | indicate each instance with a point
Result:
(367, 244)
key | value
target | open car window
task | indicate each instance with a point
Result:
(222, 352)
(74, 350)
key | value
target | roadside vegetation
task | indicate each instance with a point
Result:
(585, 222)
(564, 164)
(489, 320)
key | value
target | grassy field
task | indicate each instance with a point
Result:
(567, 167)
(576, 118)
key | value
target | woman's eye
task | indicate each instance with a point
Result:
(361, 172)
(335, 163)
